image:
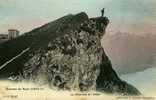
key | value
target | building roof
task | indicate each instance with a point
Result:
(13, 30)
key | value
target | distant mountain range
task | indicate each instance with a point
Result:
(145, 81)
(129, 52)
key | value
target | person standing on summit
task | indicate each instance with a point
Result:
(102, 12)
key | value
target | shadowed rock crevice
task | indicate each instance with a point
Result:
(108, 81)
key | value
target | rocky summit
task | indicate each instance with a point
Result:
(67, 55)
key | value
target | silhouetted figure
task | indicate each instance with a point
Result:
(102, 12)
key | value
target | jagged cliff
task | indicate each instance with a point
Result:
(67, 54)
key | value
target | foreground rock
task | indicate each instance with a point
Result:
(70, 57)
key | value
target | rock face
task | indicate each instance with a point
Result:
(68, 55)
(71, 61)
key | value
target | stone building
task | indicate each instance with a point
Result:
(3, 37)
(13, 33)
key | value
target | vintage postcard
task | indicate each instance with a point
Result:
(77, 50)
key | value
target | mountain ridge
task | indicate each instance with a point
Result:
(67, 54)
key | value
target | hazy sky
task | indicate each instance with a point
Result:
(137, 16)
